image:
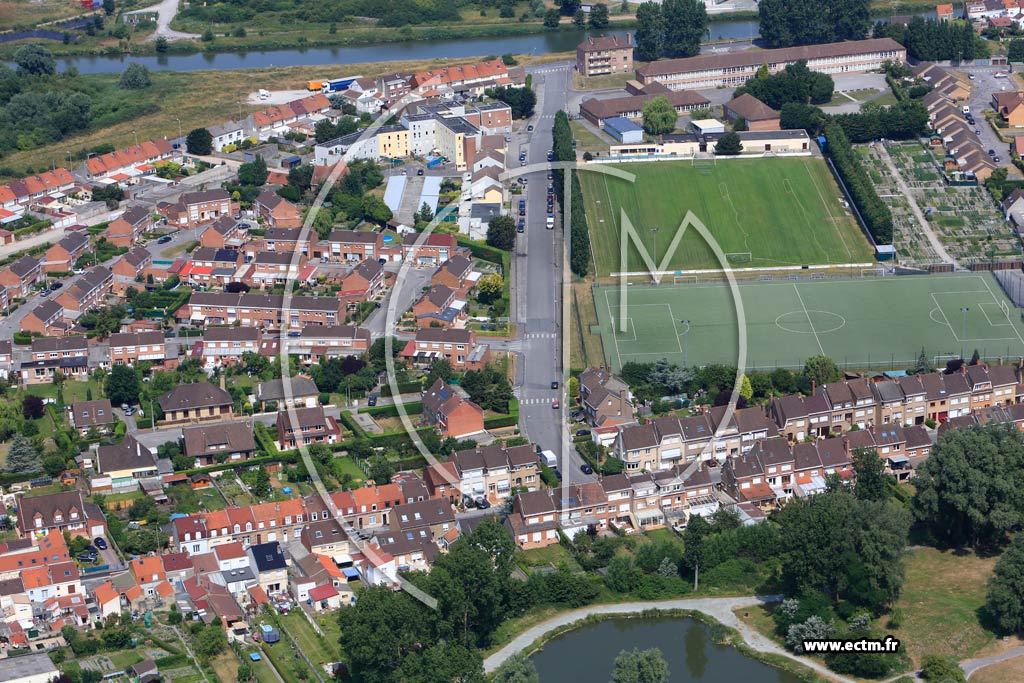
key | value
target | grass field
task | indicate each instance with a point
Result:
(782, 211)
(860, 322)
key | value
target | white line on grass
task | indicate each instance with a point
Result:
(611, 320)
(1015, 330)
(809, 321)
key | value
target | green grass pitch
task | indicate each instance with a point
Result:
(783, 211)
(863, 322)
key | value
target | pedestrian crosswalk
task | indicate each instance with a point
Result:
(541, 335)
(535, 401)
(552, 70)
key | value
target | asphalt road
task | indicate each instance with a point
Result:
(983, 86)
(538, 279)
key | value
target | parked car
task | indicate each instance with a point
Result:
(991, 152)
(86, 557)
(558, 473)
(482, 503)
(419, 171)
(45, 292)
(56, 285)
(530, 128)
(970, 76)
(977, 131)
(164, 240)
(555, 404)
(372, 400)
(295, 334)
(582, 432)
(100, 543)
(996, 159)
(554, 385)
(586, 469)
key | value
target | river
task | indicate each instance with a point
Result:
(588, 653)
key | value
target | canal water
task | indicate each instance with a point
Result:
(587, 654)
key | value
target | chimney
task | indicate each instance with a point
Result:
(629, 39)
(963, 367)
(814, 387)
(846, 445)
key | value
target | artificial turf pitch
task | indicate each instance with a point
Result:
(880, 322)
(782, 211)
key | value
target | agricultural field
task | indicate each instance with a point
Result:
(965, 218)
(770, 212)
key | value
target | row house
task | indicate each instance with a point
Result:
(24, 191)
(127, 229)
(133, 160)
(224, 346)
(275, 211)
(195, 209)
(67, 355)
(288, 392)
(304, 426)
(318, 341)
(52, 514)
(670, 440)
(129, 348)
(494, 471)
(801, 417)
(128, 270)
(46, 319)
(364, 282)
(433, 516)
(453, 415)
(290, 240)
(87, 292)
(432, 250)
(269, 269)
(213, 444)
(19, 277)
(227, 133)
(440, 307)
(265, 522)
(261, 310)
(62, 256)
(6, 357)
(458, 347)
(350, 245)
(582, 505)
(224, 233)
(367, 507)
(456, 273)
(852, 402)
(533, 522)
(199, 402)
(209, 266)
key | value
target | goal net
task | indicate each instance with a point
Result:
(684, 279)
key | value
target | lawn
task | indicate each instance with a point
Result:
(225, 665)
(551, 556)
(586, 139)
(611, 81)
(585, 347)
(788, 320)
(31, 13)
(345, 465)
(761, 212)
(941, 597)
(73, 390)
(261, 669)
(320, 650)
(1009, 670)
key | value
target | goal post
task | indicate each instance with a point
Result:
(684, 279)
(1005, 308)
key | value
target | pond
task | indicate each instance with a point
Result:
(588, 653)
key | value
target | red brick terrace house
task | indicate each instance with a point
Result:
(128, 348)
(46, 319)
(223, 233)
(126, 229)
(534, 519)
(61, 257)
(88, 291)
(453, 415)
(20, 276)
(458, 347)
(350, 245)
(276, 211)
(364, 282)
(129, 268)
(455, 273)
(435, 249)
(439, 307)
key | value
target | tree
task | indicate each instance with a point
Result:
(649, 38)
(161, 45)
(32, 407)
(517, 669)
(1004, 602)
(440, 369)
(794, 115)
(501, 232)
(108, 7)
(635, 666)
(244, 673)
(207, 36)
(938, 669)
(729, 144)
(490, 288)
(686, 22)
(379, 630)
(552, 18)
(375, 210)
(426, 213)
(975, 357)
(253, 172)
(122, 385)
(659, 116)
(785, 23)
(598, 16)
(579, 19)
(199, 141)
(22, 457)
(35, 60)
(1015, 53)
(923, 366)
(693, 539)
(969, 490)
(872, 483)
(821, 370)
(301, 177)
(261, 484)
(210, 641)
(135, 77)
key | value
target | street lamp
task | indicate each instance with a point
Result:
(654, 239)
(686, 343)
(179, 129)
(963, 329)
(136, 134)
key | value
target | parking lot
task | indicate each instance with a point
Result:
(983, 86)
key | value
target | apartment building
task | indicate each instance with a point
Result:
(129, 348)
(604, 55)
(732, 69)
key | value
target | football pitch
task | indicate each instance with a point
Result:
(766, 212)
(880, 322)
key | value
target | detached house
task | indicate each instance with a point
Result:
(456, 273)
(534, 519)
(60, 512)
(97, 414)
(605, 399)
(128, 228)
(220, 442)
(304, 426)
(199, 402)
(453, 415)
(123, 465)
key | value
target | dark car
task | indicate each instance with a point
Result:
(586, 469)
(558, 473)
(582, 432)
(522, 226)
(991, 152)
(372, 400)
(482, 503)
(100, 543)
(56, 285)
(294, 334)
(996, 159)
(554, 385)
(86, 557)
(164, 240)
(419, 171)
(530, 127)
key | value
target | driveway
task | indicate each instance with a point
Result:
(166, 11)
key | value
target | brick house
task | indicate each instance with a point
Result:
(96, 414)
(261, 310)
(364, 282)
(603, 55)
(223, 233)
(350, 245)
(605, 399)
(20, 276)
(60, 512)
(49, 355)
(126, 229)
(290, 240)
(756, 114)
(129, 268)
(439, 307)
(534, 520)
(316, 341)
(46, 319)
(304, 426)
(453, 415)
(493, 471)
(271, 268)
(275, 211)
(129, 348)
(225, 345)
(199, 402)
(455, 273)
(202, 207)
(436, 248)
(212, 444)
(458, 347)
(88, 291)
(61, 257)
(799, 417)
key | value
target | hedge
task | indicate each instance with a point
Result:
(411, 407)
(499, 421)
(874, 212)
(403, 388)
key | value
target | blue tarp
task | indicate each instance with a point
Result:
(350, 573)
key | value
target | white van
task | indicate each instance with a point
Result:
(966, 109)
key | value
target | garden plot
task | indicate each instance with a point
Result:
(966, 219)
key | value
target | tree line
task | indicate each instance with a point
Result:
(673, 28)
(876, 214)
(785, 23)
(579, 235)
(930, 40)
